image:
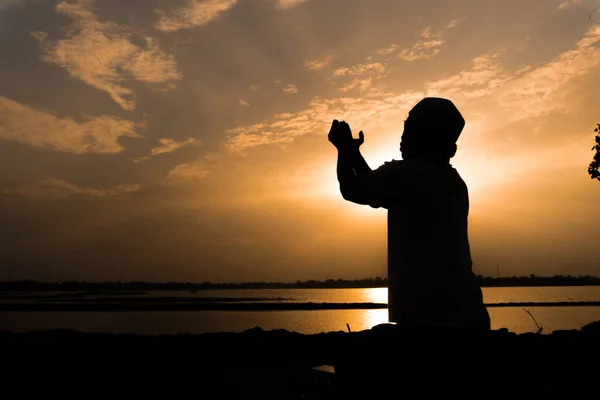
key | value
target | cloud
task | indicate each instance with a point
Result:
(196, 13)
(53, 188)
(365, 111)
(454, 23)
(568, 4)
(254, 88)
(485, 86)
(526, 92)
(285, 4)
(361, 76)
(317, 64)
(244, 103)
(362, 85)
(96, 134)
(360, 69)
(423, 49)
(199, 169)
(388, 50)
(428, 33)
(39, 35)
(427, 47)
(538, 91)
(102, 55)
(290, 89)
(485, 75)
(167, 145)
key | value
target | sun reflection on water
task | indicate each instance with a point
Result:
(379, 316)
(376, 295)
(375, 317)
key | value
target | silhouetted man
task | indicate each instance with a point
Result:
(430, 276)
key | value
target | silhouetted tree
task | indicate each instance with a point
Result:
(594, 168)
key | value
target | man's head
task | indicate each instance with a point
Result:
(431, 130)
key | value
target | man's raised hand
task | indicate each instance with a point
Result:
(340, 135)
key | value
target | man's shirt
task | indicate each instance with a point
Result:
(429, 260)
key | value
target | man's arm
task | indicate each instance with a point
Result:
(358, 183)
(350, 165)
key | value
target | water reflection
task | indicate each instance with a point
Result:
(376, 295)
(375, 317)
(155, 322)
(370, 318)
(373, 295)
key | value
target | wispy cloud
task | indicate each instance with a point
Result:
(54, 188)
(426, 47)
(254, 88)
(423, 49)
(318, 64)
(360, 69)
(538, 91)
(284, 4)
(525, 92)
(428, 33)
(360, 84)
(454, 23)
(290, 89)
(361, 76)
(99, 134)
(284, 128)
(568, 4)
(510, 95)
(485, 75)
(167, 145)
(244, 103)
(195, 13)
(102, 55)
(388, 50)
(198, 169)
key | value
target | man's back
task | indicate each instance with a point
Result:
(429, 262)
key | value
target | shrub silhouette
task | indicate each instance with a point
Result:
(594, 168)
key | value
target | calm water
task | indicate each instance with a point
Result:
(167, 322)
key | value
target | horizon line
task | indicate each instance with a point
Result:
(312, 281)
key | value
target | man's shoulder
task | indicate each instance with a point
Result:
(389, 168)
(393, 164)
(401, 166)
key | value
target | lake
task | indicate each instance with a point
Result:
(170, 322)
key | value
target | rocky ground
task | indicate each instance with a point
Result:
(256, 364)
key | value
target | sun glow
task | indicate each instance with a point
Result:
(377, 295)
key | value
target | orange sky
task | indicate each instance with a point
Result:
(186, 140)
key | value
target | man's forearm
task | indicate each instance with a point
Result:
(350, 165)
(359, 164)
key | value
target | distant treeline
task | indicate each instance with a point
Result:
(512, 281)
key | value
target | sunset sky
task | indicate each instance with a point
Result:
(175, 140)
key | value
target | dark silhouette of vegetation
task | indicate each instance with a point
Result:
(594, 168)
(540, 327)
(277, 364)
(136, 287)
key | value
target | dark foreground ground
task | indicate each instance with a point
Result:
(383, 362)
